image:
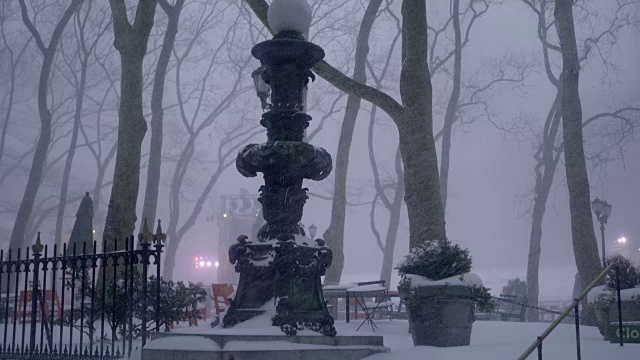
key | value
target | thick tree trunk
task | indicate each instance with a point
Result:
(40, 155)
(545, 172)
(585, 246)
(415, 127)
(121, 213)
(543, 188)
(157, 112)
(452, 106)
(334, 235)
(394, 223)
(131, 42)
(169, 258)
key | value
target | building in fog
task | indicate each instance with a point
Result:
(240, 214)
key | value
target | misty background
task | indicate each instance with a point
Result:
(492, 166)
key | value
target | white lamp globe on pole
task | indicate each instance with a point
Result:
(290, 15)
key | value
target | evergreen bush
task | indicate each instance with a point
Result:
(629, 274)
(436, 260)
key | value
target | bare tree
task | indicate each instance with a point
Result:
(393, 203)
(157, 111)
(549, 147)
(83, 51)
(334, 235)
(15, 52)
(438, 61)
(204, 115)
(40, 154)
(413, 119)
(131, 42)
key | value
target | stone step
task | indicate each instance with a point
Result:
(175, 346)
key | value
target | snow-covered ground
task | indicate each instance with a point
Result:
(497, 340)
(490, 340)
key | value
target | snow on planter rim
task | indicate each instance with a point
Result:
(625, 295)
(469, 279)
(192, 343)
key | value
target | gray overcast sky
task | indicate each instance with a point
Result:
(491, 171)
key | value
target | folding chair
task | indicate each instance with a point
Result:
(372, 289)
(221, 294)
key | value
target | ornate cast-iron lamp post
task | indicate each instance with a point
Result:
(280, 266)
(602, 209)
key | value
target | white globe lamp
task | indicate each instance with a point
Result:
(290, 15)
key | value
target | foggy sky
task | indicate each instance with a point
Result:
(491, 171)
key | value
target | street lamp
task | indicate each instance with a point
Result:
(263, 89)
(274, 267)
(312, 231)
(602, 209)
(622, 240)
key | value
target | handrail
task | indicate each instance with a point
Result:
(566, 312)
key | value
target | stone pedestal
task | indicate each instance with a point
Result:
(207, 346)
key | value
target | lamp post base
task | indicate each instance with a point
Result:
(287, 272)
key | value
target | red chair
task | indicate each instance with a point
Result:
(44, 301)
(221, 294)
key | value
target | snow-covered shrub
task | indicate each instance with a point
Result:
(178, 302)
(436, 260)
(629, 274)
(604, 300)
(439, 260)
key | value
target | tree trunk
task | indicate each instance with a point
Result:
(394, 223)
(415, 127)
(169, 257)
(121, 213)
(334, 235)
(77, 117)
(585, 247)
(97, 189)
(545, 172)
(452, 106)
(40, 155)
(157, 112)
(131, 42)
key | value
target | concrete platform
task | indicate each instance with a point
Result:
(217, 346)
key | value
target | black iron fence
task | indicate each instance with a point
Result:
(83, 302)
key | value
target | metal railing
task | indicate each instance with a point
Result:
(78, 303)
(574, 307)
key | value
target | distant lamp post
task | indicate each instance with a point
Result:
(602, 209)
(312, 231)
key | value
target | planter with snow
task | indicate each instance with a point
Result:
(606, 308)
(441, 294)
(605, 300)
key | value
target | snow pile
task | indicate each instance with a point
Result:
(469, 279)
(191, 343)
(270, 346)
(625, 295)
